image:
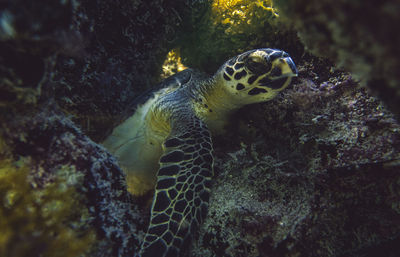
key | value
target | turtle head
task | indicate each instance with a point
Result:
(257, 75)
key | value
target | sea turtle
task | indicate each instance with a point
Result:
(166, 144)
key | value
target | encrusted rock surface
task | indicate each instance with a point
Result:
(358, 35)
(91, 57)
(121, 49)
(314, 172)
(56, 149)
(82, 61)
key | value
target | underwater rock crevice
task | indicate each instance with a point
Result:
(313, 173)
(51, 137)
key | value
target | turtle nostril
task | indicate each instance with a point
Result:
(275, 55)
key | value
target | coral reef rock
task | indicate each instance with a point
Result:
(315, 172)
(358, 35)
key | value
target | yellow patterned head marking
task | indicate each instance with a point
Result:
(257, 76)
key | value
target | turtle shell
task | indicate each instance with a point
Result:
(177, 80)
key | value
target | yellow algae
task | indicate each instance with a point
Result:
(172, 64)
(40, 222)
(226, 28)
(241, 12)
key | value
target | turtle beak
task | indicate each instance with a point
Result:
(283, 67)
(287, 67)
(280, 76)
(292, 66)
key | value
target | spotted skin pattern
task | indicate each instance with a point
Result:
(249, 70)
(174, 125)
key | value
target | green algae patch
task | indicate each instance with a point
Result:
(45, 221)
(225, 28)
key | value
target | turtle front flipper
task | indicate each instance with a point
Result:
(182, 192)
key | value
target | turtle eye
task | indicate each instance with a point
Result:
(257, 65)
